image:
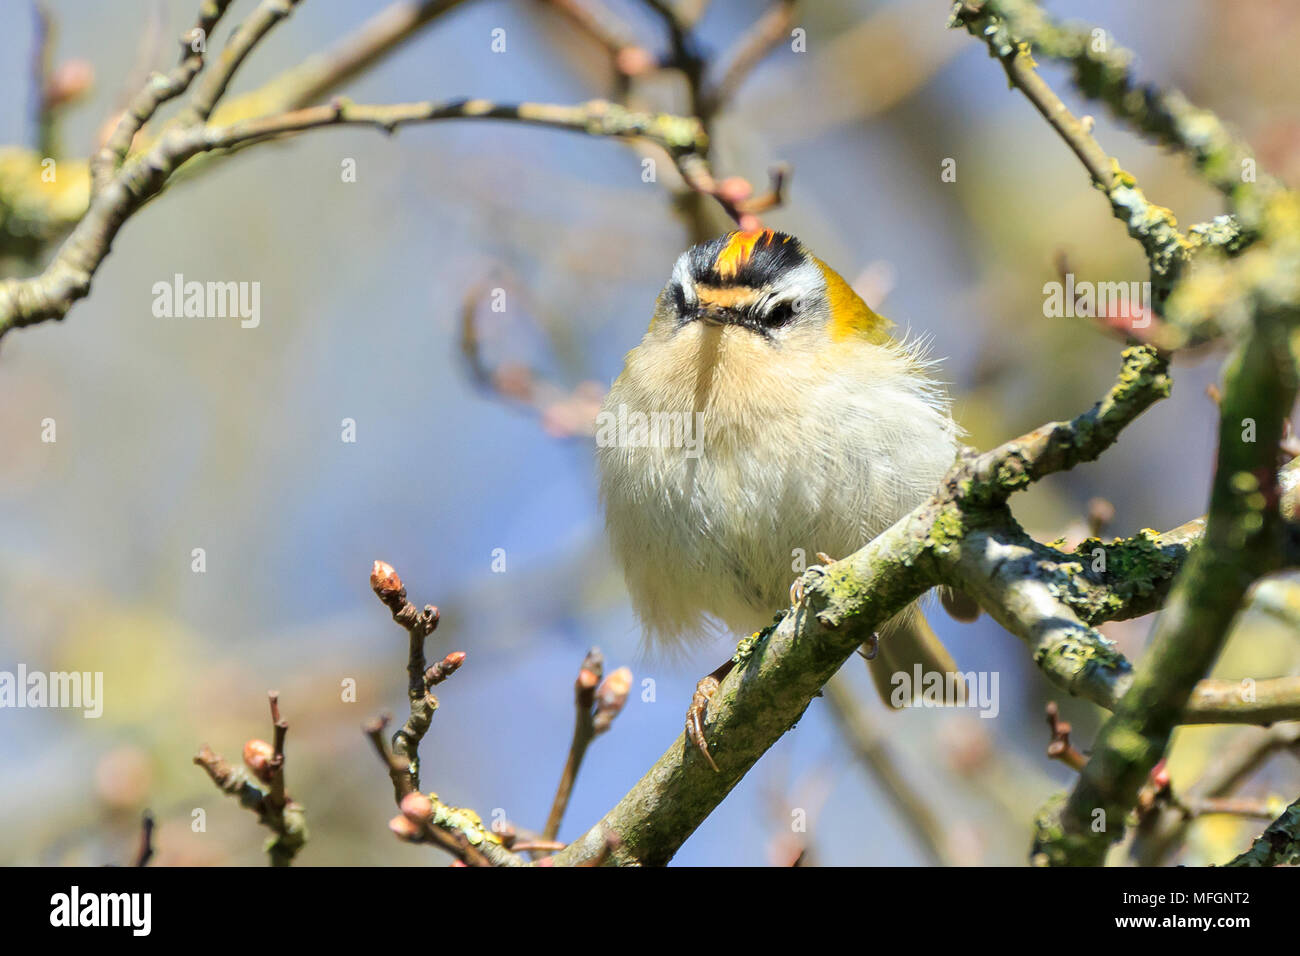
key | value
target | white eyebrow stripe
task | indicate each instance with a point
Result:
(803, 281)
(682, 277)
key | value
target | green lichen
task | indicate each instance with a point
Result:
(463, 821)
(1077, 652)
(948, 527)
(1053, 845)
(1134, 568)
(748, 645)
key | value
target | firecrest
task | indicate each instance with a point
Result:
(768, 414)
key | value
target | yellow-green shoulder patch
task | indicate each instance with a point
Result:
(850, 316)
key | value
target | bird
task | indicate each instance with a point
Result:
(768, 416)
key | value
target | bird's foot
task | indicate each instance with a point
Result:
(704, 691)
(796, 589)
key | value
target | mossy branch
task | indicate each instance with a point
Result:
(1103, 71)
(1279, 845)
(1243, 541)
(963, 536)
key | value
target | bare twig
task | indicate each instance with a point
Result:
(399, 768)
(1232, 806)
(263, 792)
(584, 731)
(321, 74)
(1158, 835)
(761, 38)
(67, 279)
(42, 57)
(1167, 249)
(156, 91)
(564, 412)
(212, 87)
(597, 21)
(595, 704)
(1060, 747)
(425, 818)
(145, 853)
(418, 624)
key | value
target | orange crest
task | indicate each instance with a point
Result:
(739, 247)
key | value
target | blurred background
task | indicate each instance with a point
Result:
(177, 434)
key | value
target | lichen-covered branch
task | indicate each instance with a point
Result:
(1155, 227)
(964, 537)
(67, 279)
(124, 180)
(678, 135)
(1243, 541)
(1256, 298)
(426, 819)
(157, 91)
(1279, 845)
(213, 85)
(48, 210)
(950, 539)
(1057, 446)
(1103, 70)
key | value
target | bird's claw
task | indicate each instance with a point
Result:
(870, 648)
(704, 691)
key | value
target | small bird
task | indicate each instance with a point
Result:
(767, 415)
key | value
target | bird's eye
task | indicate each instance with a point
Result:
(782, 312)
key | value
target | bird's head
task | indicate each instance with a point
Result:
(764, 284)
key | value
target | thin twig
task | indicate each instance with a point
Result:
(418, 624)
(759, 40)
(212, 87)
(263, 792)
(1060, 748)
(157, 90)
(584, 731)
(67, 278)
(145, 853)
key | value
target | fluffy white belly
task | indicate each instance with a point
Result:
(779, 470)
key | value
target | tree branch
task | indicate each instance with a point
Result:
(67, 279)
(1243, 541)
(261, 789)
(1279, 845)
(783, 667)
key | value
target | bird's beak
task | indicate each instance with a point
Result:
(725, 305)
(722, 317)
(712, 315)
